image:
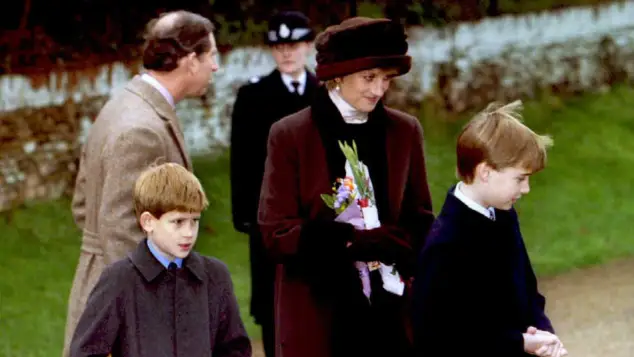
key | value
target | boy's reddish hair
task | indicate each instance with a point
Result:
(498, 137)
(168, 187)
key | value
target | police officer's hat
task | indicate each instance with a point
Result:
(289, 27)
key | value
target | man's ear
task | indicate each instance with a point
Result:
(192, 63)
(188, 63)
(147, 221)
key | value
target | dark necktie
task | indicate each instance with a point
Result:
(295, 85)
(172, 267)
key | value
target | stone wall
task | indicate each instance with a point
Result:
(44, 119)
(574, 50)
(39, 149)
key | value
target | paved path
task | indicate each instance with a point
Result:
(593, 309)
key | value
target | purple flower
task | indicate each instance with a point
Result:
(343, 193)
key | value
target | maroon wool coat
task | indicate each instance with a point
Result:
(296, 174)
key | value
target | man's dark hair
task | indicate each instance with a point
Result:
(174, 35)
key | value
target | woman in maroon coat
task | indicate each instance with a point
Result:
(320, 307)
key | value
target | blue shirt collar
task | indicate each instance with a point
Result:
(164, 261)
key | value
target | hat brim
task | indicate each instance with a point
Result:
(402, 63)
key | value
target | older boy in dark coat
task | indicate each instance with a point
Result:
(164, 299)
(475, 291)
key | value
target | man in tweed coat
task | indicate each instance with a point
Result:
(136, 128)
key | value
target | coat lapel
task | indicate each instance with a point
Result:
(328, 121)
(163, 108)
(177, 134)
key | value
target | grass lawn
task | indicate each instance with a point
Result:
(579, 213)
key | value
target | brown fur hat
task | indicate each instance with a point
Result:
(361, 43)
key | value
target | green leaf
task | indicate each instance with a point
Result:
(352, 155)
(329, 200)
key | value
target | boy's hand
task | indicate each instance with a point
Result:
(557, 350)
(552, 350)
(534, 343)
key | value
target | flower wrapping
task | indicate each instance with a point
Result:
(354, 202)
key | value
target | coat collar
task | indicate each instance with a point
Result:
(309, 89)
(151, 268)
(164, 109)
(287, 79)
(455, 207)
(156, 84)
(328, 118)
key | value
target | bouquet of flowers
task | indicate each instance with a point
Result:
(354, 202)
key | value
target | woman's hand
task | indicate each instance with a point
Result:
(386, 244)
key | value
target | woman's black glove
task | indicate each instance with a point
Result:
(387, 244)
(323, 259)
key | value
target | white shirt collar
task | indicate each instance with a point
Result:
(288, 79)
(349, 113)
(158, 86)
(487, 212)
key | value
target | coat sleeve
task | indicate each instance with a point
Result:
(231, 338)
(448, 308)
(417, 215)
(78, 205)
(285, 228)
(98, 326)
(540, 320)
(536, 299)
(239, 162)
(129, 155)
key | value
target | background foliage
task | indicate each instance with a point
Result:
(37, 35)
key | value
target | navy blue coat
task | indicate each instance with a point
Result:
(258, 105)
(475, 291)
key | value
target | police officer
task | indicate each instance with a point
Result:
(259, 104)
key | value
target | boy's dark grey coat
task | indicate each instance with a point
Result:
(140, 309)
